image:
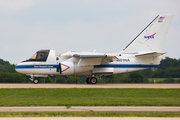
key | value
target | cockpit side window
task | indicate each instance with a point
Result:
(42, 56)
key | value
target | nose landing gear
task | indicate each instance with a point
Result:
(35, 81)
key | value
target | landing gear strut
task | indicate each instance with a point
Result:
(91, 80)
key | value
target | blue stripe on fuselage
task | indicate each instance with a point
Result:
(36, 66)
(125, 66)
(95, 66)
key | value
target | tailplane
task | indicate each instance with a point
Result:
(152, 38)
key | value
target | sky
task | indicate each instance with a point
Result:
(27, 26)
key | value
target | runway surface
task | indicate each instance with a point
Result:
(91, 109)
(89, 118)
(89, 86)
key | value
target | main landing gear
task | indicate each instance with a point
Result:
(91, 80)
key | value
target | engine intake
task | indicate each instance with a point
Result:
(67, 68)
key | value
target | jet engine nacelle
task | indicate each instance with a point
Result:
(70, 68)
(67, 68)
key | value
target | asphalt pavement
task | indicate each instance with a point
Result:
(89, 85)
(91, 109)
(89, 118)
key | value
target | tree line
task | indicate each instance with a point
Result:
(169, 70)
(5, 66)
(169, 67)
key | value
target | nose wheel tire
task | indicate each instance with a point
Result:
(93, 80)
(36, 81)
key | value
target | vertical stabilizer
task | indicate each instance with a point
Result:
(152, 37)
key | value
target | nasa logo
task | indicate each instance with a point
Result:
(147, 37)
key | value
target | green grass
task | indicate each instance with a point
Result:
(89, 114)
(89, 97)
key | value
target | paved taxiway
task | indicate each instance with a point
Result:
(89, 86)
(91, 109)
(89, 118)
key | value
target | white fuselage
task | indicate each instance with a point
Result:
(142, 52)
(64, 64)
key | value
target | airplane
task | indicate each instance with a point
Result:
(143, 52)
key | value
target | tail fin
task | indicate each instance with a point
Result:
(152, 37)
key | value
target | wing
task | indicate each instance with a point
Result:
(90, 60)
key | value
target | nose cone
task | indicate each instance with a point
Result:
(18, 68)
(23, 68)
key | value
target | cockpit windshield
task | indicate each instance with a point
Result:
(39, 56)
(34, 56)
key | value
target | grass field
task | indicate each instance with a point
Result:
(88, 114)
(89, 97)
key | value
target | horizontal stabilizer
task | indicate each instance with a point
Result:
(151, 54)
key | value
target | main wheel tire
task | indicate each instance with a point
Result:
(36, 81)
(93, 80)
(88, 80)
